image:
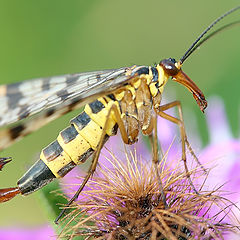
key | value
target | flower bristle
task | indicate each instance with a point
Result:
(123, 201)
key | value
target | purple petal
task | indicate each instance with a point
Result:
(223, 153)
(218, 125)
(40, 233)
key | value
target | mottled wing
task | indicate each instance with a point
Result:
(21, 129)
(52, 97)
(21, 100)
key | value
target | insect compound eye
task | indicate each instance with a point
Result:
(169, 66)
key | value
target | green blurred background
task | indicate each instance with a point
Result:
(45, 38)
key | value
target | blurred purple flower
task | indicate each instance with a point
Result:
(18, 233)
(223, 152)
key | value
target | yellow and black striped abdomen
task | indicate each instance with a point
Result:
(78, 141)
(73, 146)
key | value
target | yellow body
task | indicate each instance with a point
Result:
(89, 136)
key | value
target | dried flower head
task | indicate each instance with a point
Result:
(123, 201)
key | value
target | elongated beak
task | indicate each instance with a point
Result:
(183, 79)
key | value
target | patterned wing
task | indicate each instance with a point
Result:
(53, 97)
(21, 100)
(21, 129)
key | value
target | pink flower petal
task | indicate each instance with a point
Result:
(39, 233)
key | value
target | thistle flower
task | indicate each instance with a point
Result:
(123, 201)
(221, 155)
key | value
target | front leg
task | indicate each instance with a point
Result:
(160, 110)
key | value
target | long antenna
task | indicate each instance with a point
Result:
(211, 35)
(196, 43)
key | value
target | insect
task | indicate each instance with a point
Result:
(128, 99)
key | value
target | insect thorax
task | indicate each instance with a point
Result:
(138, 99)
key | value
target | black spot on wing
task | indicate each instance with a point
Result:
(16, 131)
(11, 88)
(14, 97)
(63, 95)
(50, 112)
(71, 80)
(46, 85)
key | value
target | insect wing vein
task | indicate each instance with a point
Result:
(23, 99)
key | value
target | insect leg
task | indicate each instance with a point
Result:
(154, 140)
(113, 109)
(194, 156)
(186, 140)
(160, 111)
